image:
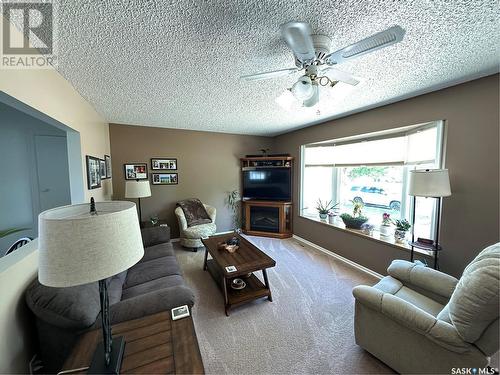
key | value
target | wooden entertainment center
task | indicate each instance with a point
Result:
(266, 217)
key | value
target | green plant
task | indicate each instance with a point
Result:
(403, 224)
(352, 221)
(324, 207)
(233, 201)
(6, 232)
(357, 208)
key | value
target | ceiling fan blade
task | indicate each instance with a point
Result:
(372, 43)
(298, 37)
(269, 75)
(339, 75)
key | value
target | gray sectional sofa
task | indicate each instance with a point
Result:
(154, 284)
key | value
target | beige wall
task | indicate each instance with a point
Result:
(208, 166)
(17, 339)
(470, 218)
(48, 92)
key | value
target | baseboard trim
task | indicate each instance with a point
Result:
(339, 257)
(225, 232)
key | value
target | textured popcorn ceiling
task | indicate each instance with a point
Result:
(176, 64)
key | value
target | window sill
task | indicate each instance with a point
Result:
(376, 236)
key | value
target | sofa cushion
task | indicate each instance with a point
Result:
(75, 307)
(152, 269)
(115, 287)
(153, 285)
(474, 304)
(162, 299)
(200, 231)
(157, 251)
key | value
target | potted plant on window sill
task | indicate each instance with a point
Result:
(356, 220)
(331, 215)
(402, 227)
(324, 208)
(385, 228)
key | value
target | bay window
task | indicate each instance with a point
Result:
(372, 169)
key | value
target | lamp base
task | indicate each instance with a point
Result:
(98, 365)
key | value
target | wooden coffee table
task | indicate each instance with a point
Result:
(154, 344)
(247, 259)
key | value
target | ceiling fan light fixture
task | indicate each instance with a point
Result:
(287, 100)
(303, 88)
(314, 99)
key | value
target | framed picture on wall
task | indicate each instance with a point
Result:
(164, 178)
(102, 169)
(163, 164)
(107, 159)
(136, 171)
(93, 172)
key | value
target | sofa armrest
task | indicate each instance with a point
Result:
(181, 218)
(150, 303)
(425, 278)
(155, 235)
(411, 317)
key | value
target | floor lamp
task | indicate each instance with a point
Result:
(138, 189)
(429, 183)
(82, 244)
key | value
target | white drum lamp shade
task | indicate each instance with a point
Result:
(77, 247)
(137, 189)
(429, 183)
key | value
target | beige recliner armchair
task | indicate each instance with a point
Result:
(191, 236)
(418, 320)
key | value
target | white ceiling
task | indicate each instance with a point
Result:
(176, 64)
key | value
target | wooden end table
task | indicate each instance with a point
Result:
(247, 259)
(154, 344)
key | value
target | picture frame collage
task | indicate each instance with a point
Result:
(97, 170)
(162, 174)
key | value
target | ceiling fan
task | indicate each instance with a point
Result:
(312, 55)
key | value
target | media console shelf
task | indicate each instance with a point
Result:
(265, 178)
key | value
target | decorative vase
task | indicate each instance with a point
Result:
(331, 219)
(400, 235)
(323, 216)
(385, 230)
(367, 229)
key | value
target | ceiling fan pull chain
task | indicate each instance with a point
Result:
(325, 81)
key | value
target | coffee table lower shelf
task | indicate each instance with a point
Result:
(253, 290)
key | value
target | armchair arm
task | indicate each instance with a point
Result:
(411, 317)
(149, 303)
(425, 278)
(211, 211)
(181, 219)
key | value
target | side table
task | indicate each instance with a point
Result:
(434, 248)
(154, 344)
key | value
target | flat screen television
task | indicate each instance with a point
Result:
(273, 184)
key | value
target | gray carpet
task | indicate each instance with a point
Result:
(307, 329)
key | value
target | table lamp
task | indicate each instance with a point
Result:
(138, 189)
(434, 183)
(82, 244)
